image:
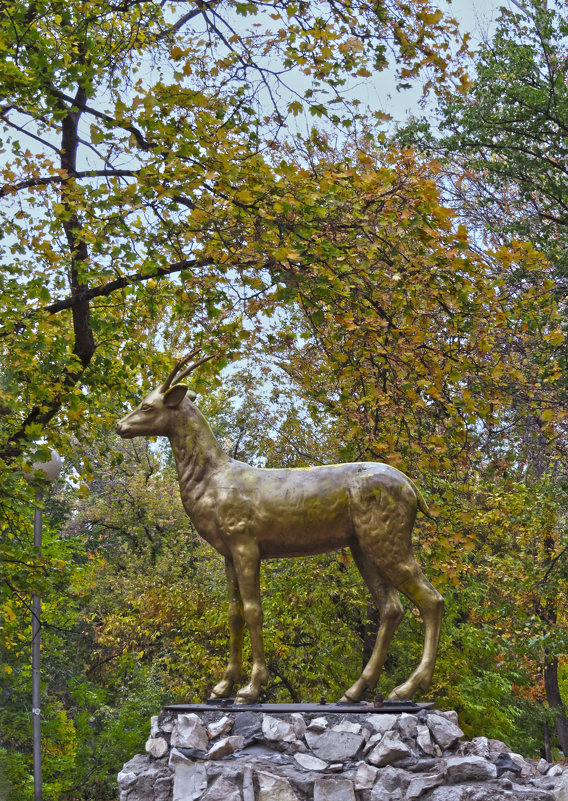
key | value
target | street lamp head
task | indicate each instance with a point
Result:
(50, 469)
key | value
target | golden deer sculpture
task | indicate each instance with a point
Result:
(249, 514)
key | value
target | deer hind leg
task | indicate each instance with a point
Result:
(247, 565)
(391, 613)
(430, 603)
(233, 671)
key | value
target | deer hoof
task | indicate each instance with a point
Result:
(247, 695)
(222, 690)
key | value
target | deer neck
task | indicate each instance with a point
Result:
(196, 451)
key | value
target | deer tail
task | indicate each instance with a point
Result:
(422, 505)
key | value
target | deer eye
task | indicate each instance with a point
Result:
(145, 407)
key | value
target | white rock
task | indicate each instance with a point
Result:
(561, 790)
(479, 746)
(382, 723)
(318, 724)
(298, 722)
(389, 750)
(407, 726)
(222, 790)
(542, 766)
(248, 784)
(163, 788)
(372, 742)
(346, 725)
(555, 770)
(450, 715)
(126, 778)
(334, 746)
(154, 728)
(333, 789)
(222, 726)
(422, 782)
(390, 785)
(277, 730)
(274, 788)
(168, 722)
(424, 740)
(365, 776)
(189, 732)
(444, 731)
(177, 756)
(190, 781)
(157, 747)
(527, 769)
(226, 746)
(497, 747)
(310, 762)
(469, 769)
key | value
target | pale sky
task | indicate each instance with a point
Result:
(475, 16)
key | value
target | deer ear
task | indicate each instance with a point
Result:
(175, 395)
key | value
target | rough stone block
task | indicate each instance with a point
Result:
(390, 785)
(348, 726)
(389, 750)
(334, 746)
(276, 729)
(561, 789)
(248, 784)
(407, 726)
(310, 762)
(190, 781)
(318, 724)
(126, 778)
(333, 789)
(248, 724)
(157, 747)
(382, 723)
(469, 769)
(163, 789)
(424, 740)
(219, 727)
(445, 733)
(222, 790)
(527, 768)
(226, 746)
(274, 788)
(365, 776)
(189, 732)
(298, 723)
(419, 784)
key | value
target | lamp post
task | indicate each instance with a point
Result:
(49, 470)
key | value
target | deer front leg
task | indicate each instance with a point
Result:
(233, 671)
(247, 565)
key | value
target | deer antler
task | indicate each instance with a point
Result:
(191, 367)
(167, 383)
(182, 362)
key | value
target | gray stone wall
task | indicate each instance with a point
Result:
(257, 756)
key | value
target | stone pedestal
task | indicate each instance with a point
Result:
(230, 755)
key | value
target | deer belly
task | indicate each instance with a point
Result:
(287, 520)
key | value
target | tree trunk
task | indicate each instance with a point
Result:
(555, 701)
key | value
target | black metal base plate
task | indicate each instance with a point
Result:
(228, 704)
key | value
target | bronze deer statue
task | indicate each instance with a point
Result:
(249, 514)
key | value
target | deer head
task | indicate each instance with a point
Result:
(153, 417)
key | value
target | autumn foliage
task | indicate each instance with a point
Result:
(205, 175)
